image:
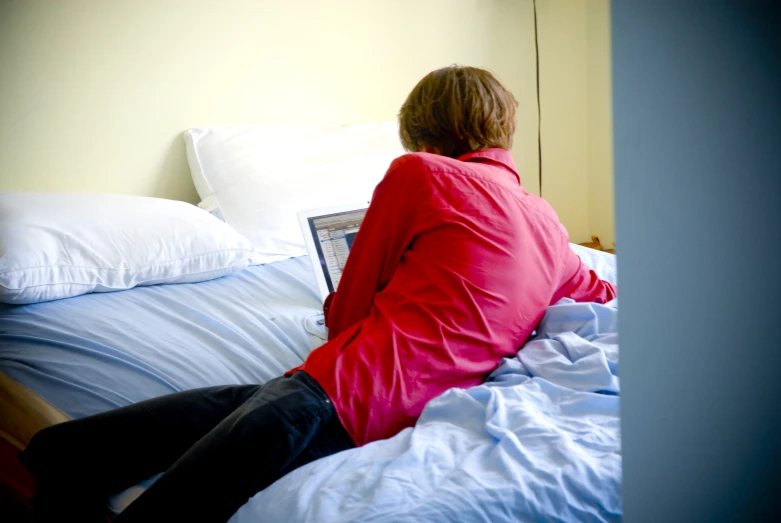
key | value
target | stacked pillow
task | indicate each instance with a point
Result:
(252, 182)
(59, 245)
(258, 178)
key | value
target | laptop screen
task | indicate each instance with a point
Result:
(334, 235)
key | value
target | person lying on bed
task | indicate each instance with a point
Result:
(451, 271)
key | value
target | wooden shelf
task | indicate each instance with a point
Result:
(597, 245)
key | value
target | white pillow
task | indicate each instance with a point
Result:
(258, 178)
(602, 263)
(58, 245)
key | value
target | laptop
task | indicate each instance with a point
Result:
(329, 233)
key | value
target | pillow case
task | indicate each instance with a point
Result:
(59, 245)
(602, 263)
(258, 178)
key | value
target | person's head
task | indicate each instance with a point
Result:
(456, 110)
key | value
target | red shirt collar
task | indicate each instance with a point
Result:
(499, 157)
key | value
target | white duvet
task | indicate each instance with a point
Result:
(539, 441)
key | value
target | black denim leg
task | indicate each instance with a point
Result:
(79, 463)
(286, 423)
(111, 451)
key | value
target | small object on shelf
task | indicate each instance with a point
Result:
(597, 245)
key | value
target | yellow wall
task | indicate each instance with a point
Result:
(94, 94)
(577, 150)
(599, 96)
(563, 74)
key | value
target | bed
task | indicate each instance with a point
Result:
(232, 299)
(539, 440)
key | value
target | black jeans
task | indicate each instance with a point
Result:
(218, 446)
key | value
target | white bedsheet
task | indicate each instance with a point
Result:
(539, 442)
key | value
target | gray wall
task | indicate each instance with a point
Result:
(697, 111)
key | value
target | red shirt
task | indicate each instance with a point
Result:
(452, 269)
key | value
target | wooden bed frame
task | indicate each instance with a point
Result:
(22, 414)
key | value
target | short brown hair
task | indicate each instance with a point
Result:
(456, 110)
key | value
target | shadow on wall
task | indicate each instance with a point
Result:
(173, 176)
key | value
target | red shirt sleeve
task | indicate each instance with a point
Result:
(391, 223)
(580, 283)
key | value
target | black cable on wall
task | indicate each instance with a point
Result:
(539, 110)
